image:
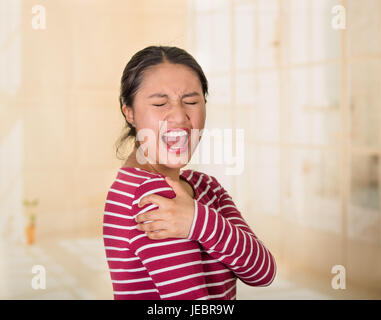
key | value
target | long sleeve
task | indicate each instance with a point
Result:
(225, 235)
(175, 265)
(146, 269)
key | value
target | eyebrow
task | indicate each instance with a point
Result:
(162, 95)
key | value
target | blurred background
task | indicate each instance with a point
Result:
(307, 95)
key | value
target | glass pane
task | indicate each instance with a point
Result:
(268, 5)
(245, 89)
(259, 95)
(298, 35)
(203, 42)
(268, 104)
(311, 36)
(246, 117)
(324, 40)
(265, 180)
(213, 40)
(219, 90)
(364, 207)
(210, 152)
(217, 119)
(244, 35)
(221, 44)
(312, 190)
(365, 105)
(364, 27)
(268, 33)
(202, 5)
(313, 115)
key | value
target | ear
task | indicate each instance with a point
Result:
(129, 113)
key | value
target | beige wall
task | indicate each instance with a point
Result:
(67, 100)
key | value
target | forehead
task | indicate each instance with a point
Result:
(170, 77)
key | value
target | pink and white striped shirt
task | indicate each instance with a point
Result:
(220, 246)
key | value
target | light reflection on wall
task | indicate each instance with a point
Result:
(10, 45)
(12, 219)
(11, 138)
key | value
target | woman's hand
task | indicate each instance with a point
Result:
(173, 218)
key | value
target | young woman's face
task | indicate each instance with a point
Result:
(169, 114)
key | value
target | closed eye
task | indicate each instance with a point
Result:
(160, 105)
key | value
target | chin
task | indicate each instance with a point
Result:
(176, 163)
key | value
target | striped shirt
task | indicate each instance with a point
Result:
(220, 247)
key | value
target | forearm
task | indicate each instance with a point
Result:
(234, 244)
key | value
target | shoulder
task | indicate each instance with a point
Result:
(155, 184)
(126, 182)
(146, 183)
(201, 179)
(130, 186)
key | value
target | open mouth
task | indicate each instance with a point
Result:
(176, 140)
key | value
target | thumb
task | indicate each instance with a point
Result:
(175, 185)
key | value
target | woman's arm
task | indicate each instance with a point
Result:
(174, 264)
(222, 232)
(225, 235)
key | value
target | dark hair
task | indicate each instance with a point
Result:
(133, 75)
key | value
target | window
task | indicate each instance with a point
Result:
(308, 97)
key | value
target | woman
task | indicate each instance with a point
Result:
(171, 234)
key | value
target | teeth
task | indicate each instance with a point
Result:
(171, 135)
(175, 133)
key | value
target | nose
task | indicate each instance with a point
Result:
(177, 114)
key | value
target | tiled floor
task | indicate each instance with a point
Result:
(279, 289)
(76, 269)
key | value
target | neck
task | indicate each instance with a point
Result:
(173, 173)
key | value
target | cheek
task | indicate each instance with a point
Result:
(147, 119)
(148, 125)
(197, 118)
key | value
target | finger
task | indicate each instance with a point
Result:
(175, 185)
(152, 226)
(158, 235)
(149, 216)
(152, 198)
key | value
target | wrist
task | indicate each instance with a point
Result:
(194, 220)
(198, 224)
